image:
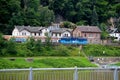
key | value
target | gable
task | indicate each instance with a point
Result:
(24, 30)
(15, 32)
(66, 32)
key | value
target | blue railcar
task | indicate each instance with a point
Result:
(72, 40)
(20, 39)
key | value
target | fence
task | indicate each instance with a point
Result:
(60, 74)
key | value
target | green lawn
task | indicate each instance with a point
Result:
(44, 62)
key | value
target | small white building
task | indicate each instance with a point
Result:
(115, 33)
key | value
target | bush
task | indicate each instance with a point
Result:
(101, 50)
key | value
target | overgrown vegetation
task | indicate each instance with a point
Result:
(35, 48)
(116, 64)
(101, 50)
(44, 12)
(45, 62)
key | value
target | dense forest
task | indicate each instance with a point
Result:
(44, 12)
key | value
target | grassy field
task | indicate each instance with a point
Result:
(44, 62)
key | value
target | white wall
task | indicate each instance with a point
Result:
(59, 35)
(66, 33)
(115, 35)
(15, 32)
(44, 31)
(25, 33)
(42, 34)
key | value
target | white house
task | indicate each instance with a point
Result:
(29, 31)
(115, 33)
(54, 31)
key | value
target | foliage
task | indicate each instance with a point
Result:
(116, 64)
(101, 50)
(2, 44)
(67, 24)
(94, 18)
(55, 62)
(23, 12)
(104, 35)
(35, 48)
(82, 22)
(43, 12)
(46, 16)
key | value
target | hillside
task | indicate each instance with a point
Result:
(101, 50)
(44, 12)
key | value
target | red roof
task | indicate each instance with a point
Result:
(88, 29)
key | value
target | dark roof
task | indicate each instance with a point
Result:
(88, 28)
(113, 30)
(29, 28)
(61, 30)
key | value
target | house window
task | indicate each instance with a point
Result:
(66, 35)
(90, 35)
(59, 34)
(56, 35)
(39, 34)
(23, 33)
(35, 34)
(85, 34)
(96, 35)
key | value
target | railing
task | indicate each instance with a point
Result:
(61, 74)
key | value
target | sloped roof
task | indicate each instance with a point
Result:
(88, 29)
(61, 30)
(29, 28)
(113, 30)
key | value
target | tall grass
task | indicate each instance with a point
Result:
(46, 62)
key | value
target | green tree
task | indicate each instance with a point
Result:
(67, 24)
(94, 18)
(104, 35)
(48, 44)
(7, 9)
(44, 2)
(11, 47)
(31, 44)
(57, 6)
(46, 16)
(2, 44)
(33, 4)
